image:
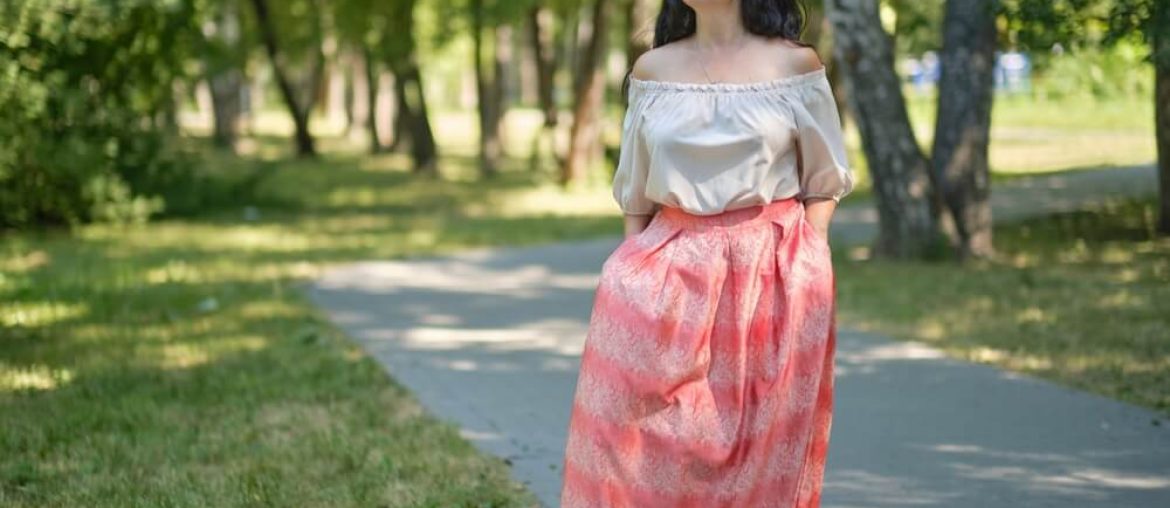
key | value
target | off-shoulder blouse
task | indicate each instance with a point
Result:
(711, 147)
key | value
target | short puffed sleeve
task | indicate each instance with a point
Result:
(824, 165)
(633, 166)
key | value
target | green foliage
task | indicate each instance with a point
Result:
(1040, 24)
(1142, 19)
(1037, 25)
(1098, 73)
(918, 25)
(87, 91)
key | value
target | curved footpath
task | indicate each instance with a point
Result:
(490, 339)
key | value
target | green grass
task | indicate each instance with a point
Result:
(1040, 136)
(1079, 298)
(177, 364)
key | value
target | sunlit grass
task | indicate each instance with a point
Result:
(178, 363)
(1032, 136)
(1080, 298)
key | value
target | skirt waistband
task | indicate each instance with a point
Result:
(774, 211)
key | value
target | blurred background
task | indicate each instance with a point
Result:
(172, 170)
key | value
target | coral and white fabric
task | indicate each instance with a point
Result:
(707, 374)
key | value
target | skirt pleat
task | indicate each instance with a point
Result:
(707, 374)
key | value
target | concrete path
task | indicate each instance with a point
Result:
(490, 339)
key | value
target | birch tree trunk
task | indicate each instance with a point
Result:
(900, 172)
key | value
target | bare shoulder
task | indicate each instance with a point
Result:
(655, 63)
(792, 58)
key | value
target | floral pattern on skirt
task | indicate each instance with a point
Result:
(707, 374)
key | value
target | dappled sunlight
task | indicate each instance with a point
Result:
(1030, 152)
(40, 313)
(186, 356)
(547, 199)
(1078, 298)
(268, 309)
(1078, 481)
(190, 238)
(1033, 314)
(880, 490)
(17, 378)
(1123, 298)
(24, 261)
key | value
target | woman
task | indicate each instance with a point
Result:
(707, 374)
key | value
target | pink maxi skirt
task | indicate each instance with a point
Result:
(707, 374)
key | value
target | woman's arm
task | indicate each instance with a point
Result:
(820, 212)
(637, 223)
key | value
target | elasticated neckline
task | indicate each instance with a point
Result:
(772, 84)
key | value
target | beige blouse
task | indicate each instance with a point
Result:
(710, 147)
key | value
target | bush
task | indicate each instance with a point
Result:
(85, 86)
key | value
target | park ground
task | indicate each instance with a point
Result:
(175, 363)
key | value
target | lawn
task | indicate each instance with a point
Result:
(1080, 298)
(178, 364)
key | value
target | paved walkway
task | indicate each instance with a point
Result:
(490, 339)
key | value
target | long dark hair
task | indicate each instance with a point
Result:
(767, 18)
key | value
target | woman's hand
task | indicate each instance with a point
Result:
(636, 223)
(819, 212)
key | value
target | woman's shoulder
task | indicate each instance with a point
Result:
(655, 63)
(793, 58)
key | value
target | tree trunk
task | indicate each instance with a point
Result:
(1158, 31)
(359, 107)
(225, 78)
(585, 134)
(487, 93)
(963, 126)
(541, 36)
(1162, 115)
(400, 123)
(298, 111)
(502, 86)
(900, 172)
(370, 77)
(412, 112)
(225, 105)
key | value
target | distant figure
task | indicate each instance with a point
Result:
(707, 374)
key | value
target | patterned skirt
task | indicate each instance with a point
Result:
(707, 374)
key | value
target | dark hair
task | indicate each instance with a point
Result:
(768, 18)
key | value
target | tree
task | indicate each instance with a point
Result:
(224, 56)
(384, 33)
(299, 104)
(901, 173)
(963, 126)
(589, 92)
(1150, 19)
(86, 88)
(1041, 23)
(489, 83)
